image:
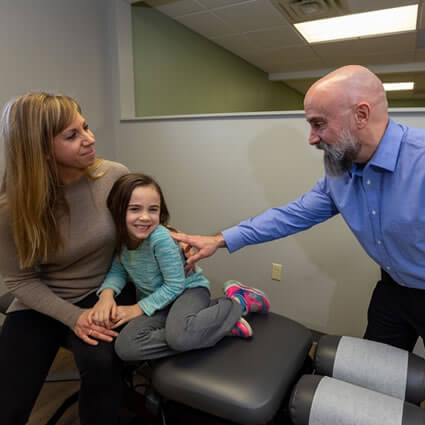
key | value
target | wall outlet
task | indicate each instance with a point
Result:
(276, 271)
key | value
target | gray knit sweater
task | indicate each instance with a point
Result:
(76, 270)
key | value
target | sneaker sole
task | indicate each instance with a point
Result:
(247, 326)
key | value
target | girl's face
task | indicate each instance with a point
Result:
(142, 214)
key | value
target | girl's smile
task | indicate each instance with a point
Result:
(142, 214)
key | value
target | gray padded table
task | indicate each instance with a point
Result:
(244, 381)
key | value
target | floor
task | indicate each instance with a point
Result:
(53, 394)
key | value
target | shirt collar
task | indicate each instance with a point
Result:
(386, 154)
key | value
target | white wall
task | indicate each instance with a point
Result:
(61, 46)
(218, 171)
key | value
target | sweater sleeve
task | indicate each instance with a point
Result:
(167, 254)
(115, 279)
(76, 270)
(26, 284)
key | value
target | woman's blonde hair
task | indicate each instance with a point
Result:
(31, 187)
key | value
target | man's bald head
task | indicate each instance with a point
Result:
(350, 99)
(351, 84)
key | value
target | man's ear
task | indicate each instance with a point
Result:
(362, 114)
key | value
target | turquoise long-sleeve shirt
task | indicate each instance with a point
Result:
(157, 269)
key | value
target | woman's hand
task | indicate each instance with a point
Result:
(104, 311)
(125, 313)
(87, 331)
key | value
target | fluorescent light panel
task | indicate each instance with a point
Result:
(399, 86)
(378, 22)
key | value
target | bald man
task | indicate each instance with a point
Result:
(374, 177)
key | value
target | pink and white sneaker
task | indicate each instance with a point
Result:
(252, 300)
(242, 329)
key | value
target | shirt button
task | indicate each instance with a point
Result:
(388, 268)
(379, 242)
(368, 182)
(373, 212)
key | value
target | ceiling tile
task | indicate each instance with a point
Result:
(175, 8)
(212, 4)
(295, 54)
(290, 55)
(206, 24)
(251, 16)
(404, 43)
(290, 67)
(369, 60)
(236, 43)
(275, 37)
(257, 32)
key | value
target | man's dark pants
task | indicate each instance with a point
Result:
(396, 314)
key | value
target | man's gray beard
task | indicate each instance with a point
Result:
(339, 158)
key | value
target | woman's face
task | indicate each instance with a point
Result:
(73, 149)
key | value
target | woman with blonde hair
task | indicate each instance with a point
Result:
(57, 240)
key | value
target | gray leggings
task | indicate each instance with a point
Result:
(192, 321)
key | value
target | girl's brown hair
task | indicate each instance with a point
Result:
(119, 198)
(31, 188)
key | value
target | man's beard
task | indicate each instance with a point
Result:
(339, 158)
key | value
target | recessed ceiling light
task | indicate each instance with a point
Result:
(399, 86)
(378, 22)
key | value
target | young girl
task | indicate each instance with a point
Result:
(175, 313)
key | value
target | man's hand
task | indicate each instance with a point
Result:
(88, 331)
(125, 313)
(206, 245)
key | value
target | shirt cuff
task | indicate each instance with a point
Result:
(233, 239)
(146, 307)
(71, 316)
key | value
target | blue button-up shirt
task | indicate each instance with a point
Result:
(383, 203)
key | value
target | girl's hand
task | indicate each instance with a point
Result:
(87, 331)
(125, 313)
(105, 310)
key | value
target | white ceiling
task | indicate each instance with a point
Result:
(260, 32)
